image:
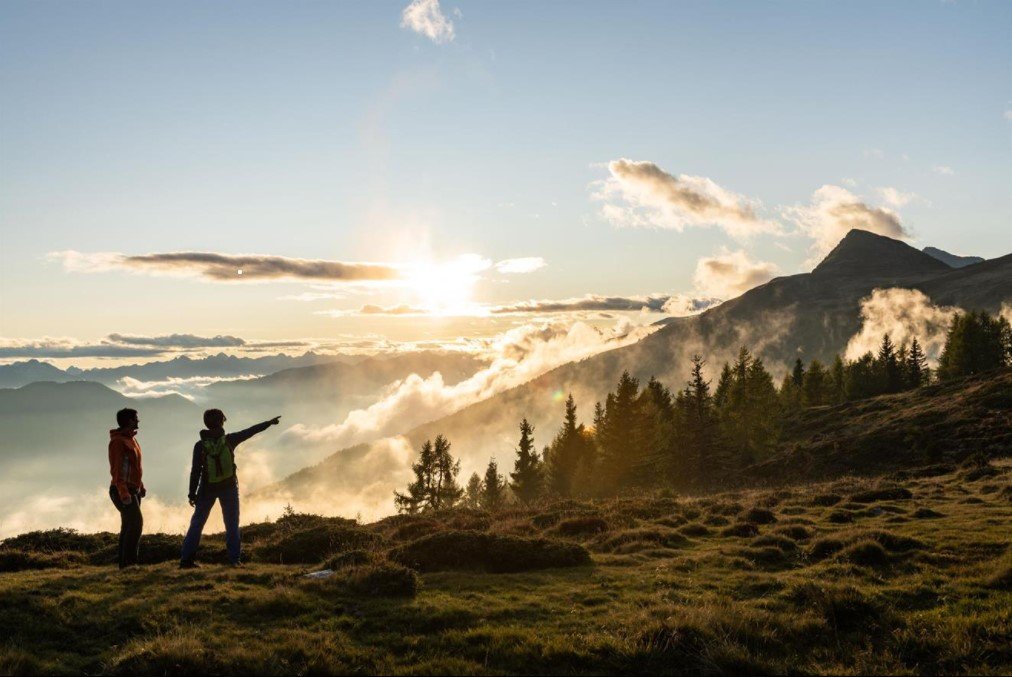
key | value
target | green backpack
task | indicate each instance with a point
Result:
(218, 460)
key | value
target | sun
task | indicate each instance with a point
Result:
(447, 288)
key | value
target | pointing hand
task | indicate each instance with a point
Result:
(276, 420)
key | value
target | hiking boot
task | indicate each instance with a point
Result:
(188, 564)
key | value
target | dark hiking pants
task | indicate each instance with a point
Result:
(131, 525)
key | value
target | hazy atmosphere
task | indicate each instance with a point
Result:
(562, 255)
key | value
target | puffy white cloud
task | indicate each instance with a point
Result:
(943, 170)
(904, 314)
(731, 273)
(189, 387)
(426, 17)
(641, 194)
(834, 212)
(895, 197)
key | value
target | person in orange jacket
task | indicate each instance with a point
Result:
(127, 488)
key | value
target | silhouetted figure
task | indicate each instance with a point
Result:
(213, 477)
(126, 489)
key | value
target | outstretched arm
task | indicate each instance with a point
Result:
(237, 438)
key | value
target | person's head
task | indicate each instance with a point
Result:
(214, 418)
(127, 419)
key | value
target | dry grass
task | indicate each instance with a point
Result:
(665, 593)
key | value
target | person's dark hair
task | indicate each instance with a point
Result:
(125, 416)
(214, 418)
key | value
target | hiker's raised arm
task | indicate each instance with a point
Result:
(238, 438)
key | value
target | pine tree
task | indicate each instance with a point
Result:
(724, 385)
(798, 374)
(917, 366)
(976, 342)
(472, 494)
(886, 364)
(419, 492)
(816, 385)
(619, 432)
(838, 381)
(445, 492)
(700, 424)
(526, 479)
(493, 494)
(567, 452)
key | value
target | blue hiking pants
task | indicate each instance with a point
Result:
(229, 497)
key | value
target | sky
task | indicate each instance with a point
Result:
(386, 172)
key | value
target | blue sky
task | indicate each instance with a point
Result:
(331, 131)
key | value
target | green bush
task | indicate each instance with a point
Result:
(24, 560)
(866, 553)
(495, 553)
(580, 526)
(384, 580)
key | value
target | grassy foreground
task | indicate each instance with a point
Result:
(909, 574)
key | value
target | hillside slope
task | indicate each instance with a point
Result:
(811, 315)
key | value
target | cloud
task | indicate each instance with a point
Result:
(191, 388)
(656, 303)
(731, 273)
(834, 212)
(516, 356)
(894, 197)
(178, 341)
(67, 347)
(522, 265)
(641, 194)
(904, 314)
(943, 170)
(425, 17)
(227, 267)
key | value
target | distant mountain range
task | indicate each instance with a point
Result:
(811, 315)
(17, 374)
(952, 259)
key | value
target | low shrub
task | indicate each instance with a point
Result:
(759, 516)
(645, 536)
(926, 513)
(313, 544)
(741, 530)
(882, 494)
(843, 608)
(825, 547)
(415, 529)
(795, 531)
(826, 500)
(25, 560)
(841, 516)
(352, 558)
(772, 540)
(694, 529)
(866, 553)
(717, 521)
(580, 526)
(384, 579)
(495, 553)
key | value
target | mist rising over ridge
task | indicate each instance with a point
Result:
(809, 315)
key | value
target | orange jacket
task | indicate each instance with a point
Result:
(125, 462)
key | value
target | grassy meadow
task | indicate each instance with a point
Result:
(908, 574)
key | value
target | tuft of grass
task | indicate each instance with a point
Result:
(741, 530)
(580, 526)
(782, 543)
(882, 494)
(494, 553)
(794, 531)
(694, 530)
(867, 553)
(759, 516)
(384, 580)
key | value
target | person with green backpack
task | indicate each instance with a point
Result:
(213, 478)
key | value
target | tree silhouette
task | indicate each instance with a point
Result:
(493, 494)
(526, 479)
(472, 493)
(435, 485)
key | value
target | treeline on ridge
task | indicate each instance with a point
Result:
(650, 436)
